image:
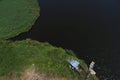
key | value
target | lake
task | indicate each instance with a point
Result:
(90, 28)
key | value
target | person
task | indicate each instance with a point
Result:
(91, 66)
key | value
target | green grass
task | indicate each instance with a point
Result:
(52, 61)
(17, 16)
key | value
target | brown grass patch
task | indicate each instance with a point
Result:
(31, 74)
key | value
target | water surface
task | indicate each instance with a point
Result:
(91, 28)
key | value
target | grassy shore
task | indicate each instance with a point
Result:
(19, 56)
(29, 59)
(17, 16)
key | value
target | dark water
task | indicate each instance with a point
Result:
(89, 27)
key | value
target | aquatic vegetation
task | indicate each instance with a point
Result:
(17, 16)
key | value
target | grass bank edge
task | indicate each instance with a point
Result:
(47, 59)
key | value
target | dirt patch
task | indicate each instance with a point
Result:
(31, 74)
